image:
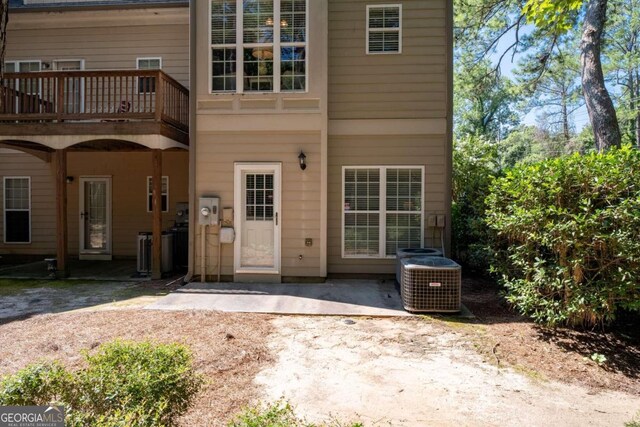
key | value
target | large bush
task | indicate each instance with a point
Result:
(474, 166)
(568, 236)
(124, 384)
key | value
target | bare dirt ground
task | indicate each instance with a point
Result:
(555, 354)
(228, 350)
(416, 372)
(498, 369)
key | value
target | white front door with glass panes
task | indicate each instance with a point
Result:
(257, 193)
(258, 46)
(382, 210)
(95, 218)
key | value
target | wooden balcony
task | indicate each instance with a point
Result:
(135, 102)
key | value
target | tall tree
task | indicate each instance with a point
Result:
(602, 113)
(4, 20)
(622, 63)
(484, 101)
(557, 91)
(485, 22)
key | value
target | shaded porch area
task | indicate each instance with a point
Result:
(115, 270)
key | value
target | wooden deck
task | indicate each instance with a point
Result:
(95, 103)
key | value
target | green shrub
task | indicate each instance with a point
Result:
(124, 384)
(39, 384)
(278, 414)
(568, 246)
(474, 167)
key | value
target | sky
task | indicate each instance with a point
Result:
(580, 117)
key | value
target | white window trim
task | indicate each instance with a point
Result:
(382, 30)
(382, 211)
(17, 62)
(56, 61)
(4, 206)
(277, 46)
(150, 194)
(147, 58)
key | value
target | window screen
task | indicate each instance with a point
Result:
(384, 29)
(383, 210)
(17, 210)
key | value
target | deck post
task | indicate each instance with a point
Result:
(156, 264)
(61, 212)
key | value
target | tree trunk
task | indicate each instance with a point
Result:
(602, 114)
(636, 95)
(565, 117)
(4, 20)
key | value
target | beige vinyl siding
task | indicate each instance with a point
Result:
(300, 210)
(43, 196)
(412, 84)
(128, 171)
(408, 150)
(104, 45)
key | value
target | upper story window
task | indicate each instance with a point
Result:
(148, 84)
(22, 66)
(384, 28)
(258, 46)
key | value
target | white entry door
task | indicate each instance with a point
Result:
(257, 218)
(95, 218)
(73, 95)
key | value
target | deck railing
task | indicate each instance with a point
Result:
(94, 96)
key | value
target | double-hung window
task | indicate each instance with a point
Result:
(164, 196)
(258, 46)
(382, 210)
(17, 210)
(384, 28)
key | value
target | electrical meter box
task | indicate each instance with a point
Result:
(208, 210)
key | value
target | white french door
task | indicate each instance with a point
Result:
(95, 218)
(257, 217)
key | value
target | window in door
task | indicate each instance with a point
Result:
(148, 84)
(73, 96)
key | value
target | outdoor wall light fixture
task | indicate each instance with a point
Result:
(303, 160)
(69, 179)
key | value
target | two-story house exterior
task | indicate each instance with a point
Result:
(94, 104)
(324, 128)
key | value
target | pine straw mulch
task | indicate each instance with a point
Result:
(229, 349)
(557, 354)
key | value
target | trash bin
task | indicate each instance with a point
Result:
(412, 252)
(145, 242)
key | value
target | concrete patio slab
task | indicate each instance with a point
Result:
(344, 298)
